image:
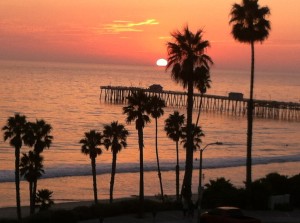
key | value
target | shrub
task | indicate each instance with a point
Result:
(294, 190)
(261, 192)
(221, 192)
(278, 184)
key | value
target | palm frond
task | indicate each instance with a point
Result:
(249, 22)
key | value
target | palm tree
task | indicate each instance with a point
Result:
(31, 167)
(186, 54)
(173, 128)
(90, 143)
(38, 136)
(115, 136)
(249, 25)
(196, 136)
(44, 198)
(156, 110)
(203, 84)
(14, 130)
(138, 105)
(197, 133)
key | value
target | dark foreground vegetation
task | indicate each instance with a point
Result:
(100, 211)
(219, 192)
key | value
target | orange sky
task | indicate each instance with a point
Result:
(136, 31)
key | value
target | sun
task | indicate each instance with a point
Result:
(161, 62)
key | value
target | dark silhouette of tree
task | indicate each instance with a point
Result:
(115, 136)
(220, 192)
(203, 84)
(31, 167)
(37, 136)
(156, 110)
(185, 55)
(249, 25)
(14, 130)
(90, 143)
(44, 199)
(173, 128)
(294, 190)
(138, 105)
(197, 133)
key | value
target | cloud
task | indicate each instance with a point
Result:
(164, 37)
(119, 26)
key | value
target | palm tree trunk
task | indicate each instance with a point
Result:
(112, 179)
(200, 106)
(34, 195)
(158, 166)
(93, 162)
(177, 172)
(17, 182)
(250, 124)
(187, 180)
(141, 147)
(30, 196)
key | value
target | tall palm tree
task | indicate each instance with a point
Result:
(156, 110)
(115, 136)
(173, 128)
(14, 130)
(138, 105)
(90, 143)
(185, 54)
(203, 84)
(196, 136)
(249, 25)
(31, 167)
(38, 136)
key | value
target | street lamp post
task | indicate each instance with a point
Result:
(200, 177)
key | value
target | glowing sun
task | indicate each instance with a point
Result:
(161, 62)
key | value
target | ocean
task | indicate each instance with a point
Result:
(66, 96)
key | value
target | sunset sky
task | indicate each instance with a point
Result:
(136, 31)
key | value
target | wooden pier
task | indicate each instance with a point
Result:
(220, 104)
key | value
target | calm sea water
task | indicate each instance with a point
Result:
(67, 97)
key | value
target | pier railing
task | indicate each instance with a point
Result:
(220, 104)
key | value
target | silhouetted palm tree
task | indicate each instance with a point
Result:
(197, 133)
(138, 105)
(249, 25)
(14, 130)
(202, 85)
(156, 110)
(38, 136)
(31, 167)
(90, 143)
(115, 136)
(186, 53)
(173, 128)
(44, 199)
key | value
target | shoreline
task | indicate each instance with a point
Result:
(79, 189)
